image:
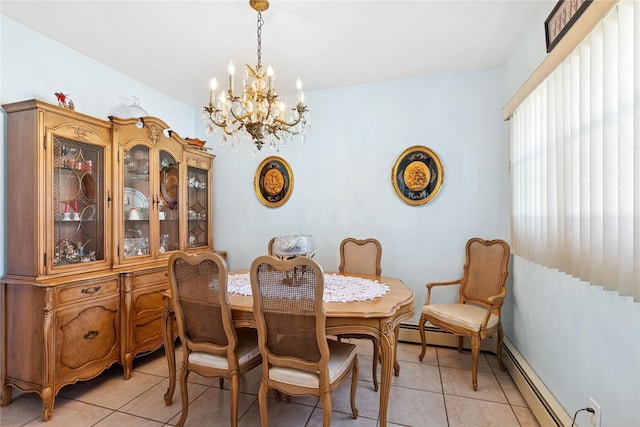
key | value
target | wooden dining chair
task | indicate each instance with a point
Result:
(477, 312)
(362, 257)
(211, 345)
(270, 246)
(297, 357)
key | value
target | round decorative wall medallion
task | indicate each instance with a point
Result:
(417, 175)
(273, 182)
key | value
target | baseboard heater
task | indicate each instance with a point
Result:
(541, 401)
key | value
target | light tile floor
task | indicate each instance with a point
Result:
(435, 392)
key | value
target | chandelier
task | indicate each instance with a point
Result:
(257, 112)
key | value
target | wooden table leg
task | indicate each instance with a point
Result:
(387, 356)
(396, 365)
(169, 349)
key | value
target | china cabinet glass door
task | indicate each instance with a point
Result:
(78, 202)
(168, 211)
(197, 203)
(135, 199)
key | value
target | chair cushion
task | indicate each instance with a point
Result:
(246, 349)
(340, 360)
(465, 316)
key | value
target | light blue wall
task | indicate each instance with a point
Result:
(343, 177)
(582, 342)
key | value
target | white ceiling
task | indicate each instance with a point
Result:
(178, 46)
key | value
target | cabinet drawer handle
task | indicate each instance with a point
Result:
(91, 335)
(90, 290)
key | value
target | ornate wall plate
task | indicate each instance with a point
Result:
(273, 182)
(417, 175)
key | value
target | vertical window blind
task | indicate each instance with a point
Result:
(575, 160)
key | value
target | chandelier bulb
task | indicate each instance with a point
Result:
(212, 92)
(232, 70)
(299, 87)
(223, 102)
(270, 78)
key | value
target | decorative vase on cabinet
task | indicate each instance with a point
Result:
(163, 188)
(59, 297)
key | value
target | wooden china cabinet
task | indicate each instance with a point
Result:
(94, 210)
(164, 188)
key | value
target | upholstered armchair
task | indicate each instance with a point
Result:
(477, 312)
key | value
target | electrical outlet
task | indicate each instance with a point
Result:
(595, 417)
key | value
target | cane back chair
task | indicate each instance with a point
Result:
(482, 291)
(212, 347)
(297, 357)
(362, 257)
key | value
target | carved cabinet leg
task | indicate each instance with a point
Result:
(128, 365)
(6, 395)
(48, 399)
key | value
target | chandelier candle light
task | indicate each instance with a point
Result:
(258, 112)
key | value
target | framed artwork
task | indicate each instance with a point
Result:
(273, 182)
(562, 17)
(417, 175)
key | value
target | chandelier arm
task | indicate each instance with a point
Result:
(223, 124)
(270, 104)
(288, 124)
(239, 118)
(213, 111)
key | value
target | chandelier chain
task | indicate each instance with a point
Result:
(260, 22)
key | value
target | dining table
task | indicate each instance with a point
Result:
(379, 318)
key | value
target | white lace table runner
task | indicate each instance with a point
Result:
(337, 288)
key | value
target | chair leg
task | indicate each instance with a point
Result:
(499, 349)
(221, 383)
(184, 376)
(355, 371)
(460, 339)
(423, 337)
(475, 354)
(262, 402)
(376, 356)
(326, 408)
(234, 385)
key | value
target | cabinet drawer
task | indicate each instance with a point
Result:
(87, 337)
(147, 334)
(152, 278)
(88, 290)
(149, 302)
